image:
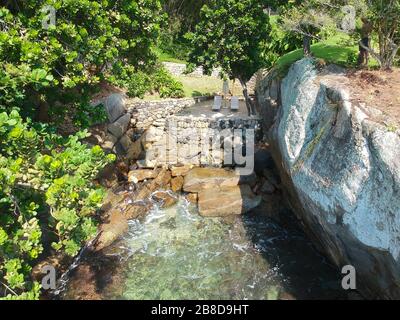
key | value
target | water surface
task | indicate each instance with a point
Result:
(177, 254)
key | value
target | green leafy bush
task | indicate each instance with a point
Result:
(46, 185)
(43, 69)
(166, 85)
(155, 80)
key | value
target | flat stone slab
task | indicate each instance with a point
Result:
(226, 201)
(180, 171)
(142, 174)
(199, 179)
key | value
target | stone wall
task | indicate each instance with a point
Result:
(190, 140)
(128, 119)
(145, 113)
(178, 69)
(155, 134)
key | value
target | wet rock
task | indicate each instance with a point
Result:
(135, 150)
(85, 285)
(177, 184)
(59, 261)
(199, 179)
(109, 142)
(263, 160)
(192, 198)
(108, 176)
(272, 177)
(137, 209)
(166, 199)
(140, 175)
(162, 181)
(227, 200)
(111, 230)
(125, 143)
(268, 187)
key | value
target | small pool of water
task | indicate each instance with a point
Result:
(177, 254)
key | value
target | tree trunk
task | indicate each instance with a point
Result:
(43, 112)
(249, 103)
(307, 45)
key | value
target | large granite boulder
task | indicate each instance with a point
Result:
(341, 171)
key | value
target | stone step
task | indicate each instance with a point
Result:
(199, 179)
(225, 201)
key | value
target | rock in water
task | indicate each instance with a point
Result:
(166, 199)
(199, 179)
(227, 200)
(268, 187)
(115, 226)
(342, 172)
(192, 198)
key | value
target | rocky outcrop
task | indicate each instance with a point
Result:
(341, 171)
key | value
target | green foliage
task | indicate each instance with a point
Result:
(48, 68)
(384, 16)
(157, 80)
(173, 42)
(231, 35)
(46, 183)
(280, 42)
(166, 85)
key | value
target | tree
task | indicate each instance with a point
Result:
(58, 65)
(385, 18)
(307, 19)
(231, 35)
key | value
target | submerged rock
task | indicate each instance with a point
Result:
(268, 187)
(227, 200)
(341, 171)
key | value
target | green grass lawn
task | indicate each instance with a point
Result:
(334, 50)
(205, 86)
(165, 57)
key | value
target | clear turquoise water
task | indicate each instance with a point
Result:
(177, 254)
